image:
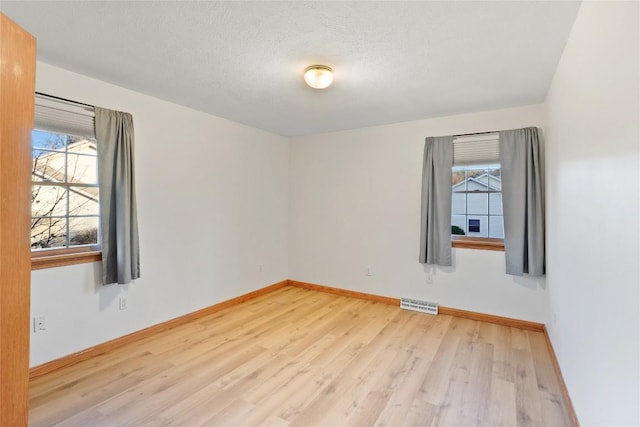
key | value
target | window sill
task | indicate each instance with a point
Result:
(483, 243)
(41, 260)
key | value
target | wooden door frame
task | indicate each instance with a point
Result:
(17, 87)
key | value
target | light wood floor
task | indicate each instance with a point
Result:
(297, 357)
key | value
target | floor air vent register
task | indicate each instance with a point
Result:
(419, 305)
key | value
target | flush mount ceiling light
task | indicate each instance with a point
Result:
(318, 76)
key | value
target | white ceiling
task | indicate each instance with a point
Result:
(393, 61)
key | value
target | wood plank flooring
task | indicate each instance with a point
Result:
(297, 357)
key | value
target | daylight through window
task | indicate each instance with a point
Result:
(476, 205)
(64, 197)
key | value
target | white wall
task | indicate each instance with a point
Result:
(212, 206)
(355, 202)
(593, 204)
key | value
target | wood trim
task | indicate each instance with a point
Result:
(490, 318)
(484, 243)
(346, 293)
(563, 385)
(40, 253)
(99, 349)
(472, 315)
(49, 261)
(40, 260)
(17, 80)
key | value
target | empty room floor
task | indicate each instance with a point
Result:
(298, 357)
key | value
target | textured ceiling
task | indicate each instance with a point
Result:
(393, 61)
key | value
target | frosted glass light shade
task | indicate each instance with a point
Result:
(318, 76)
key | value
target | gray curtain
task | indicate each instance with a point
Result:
(523, 201)
(118, 218)
(435, 223)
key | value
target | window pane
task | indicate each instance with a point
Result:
(48, 233)
(458, 204)
(480, 182)
(83, 201)
(496, 227)
(495, 180)
(47, 166)
(48, 200)
(83, 231)
(457, 177)
(82, 145)
(475, 172)
(495, 204)
(82, 169)
(459, 221)
(48, 140)
(477, 204)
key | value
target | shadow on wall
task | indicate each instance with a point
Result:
(529, 282)
(431, 269)
(107, 295)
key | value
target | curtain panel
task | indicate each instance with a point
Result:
(435, 223)
(523, 201)
(118, 216)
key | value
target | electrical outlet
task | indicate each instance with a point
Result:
(123, 303)
(260, 269)
(368, 271)
(39, 323)
(429, 279)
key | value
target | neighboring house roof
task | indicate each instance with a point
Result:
(479, 183)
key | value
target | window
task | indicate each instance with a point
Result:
(64, 195)
(476, 201)
(476, 193)
(65, 216)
